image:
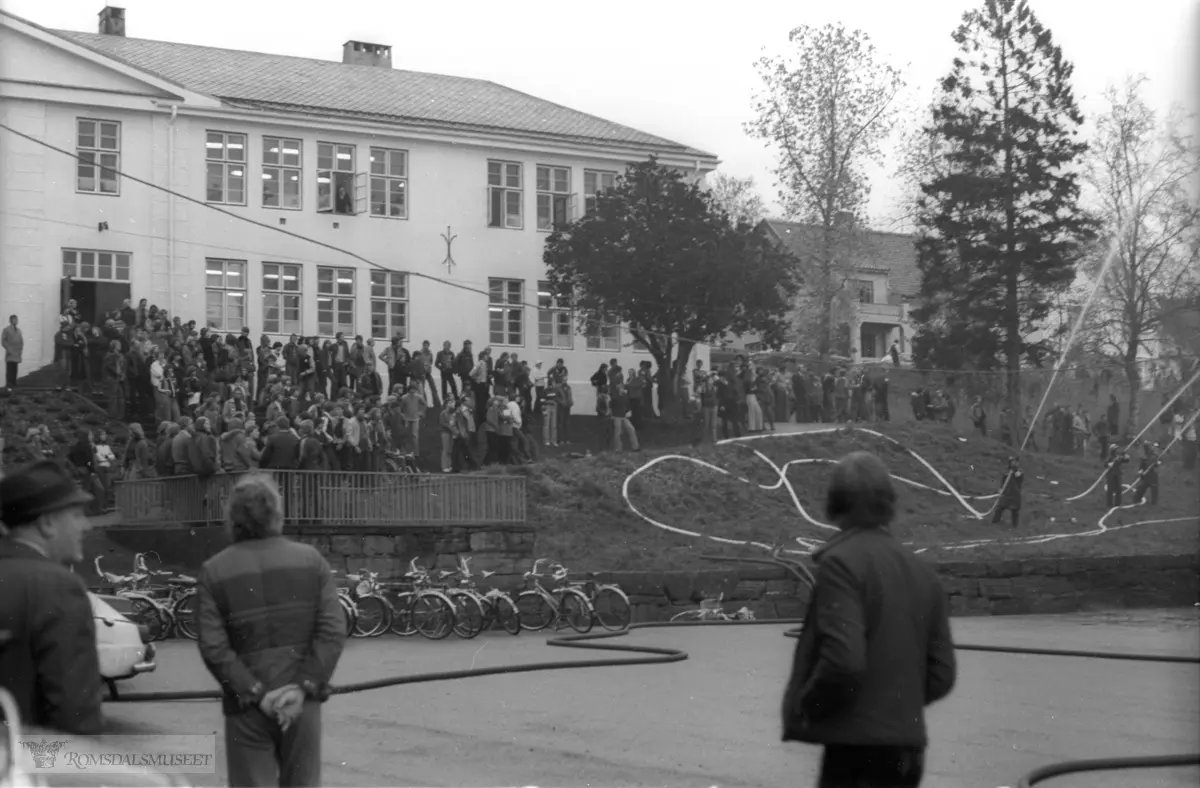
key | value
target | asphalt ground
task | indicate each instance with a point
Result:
(714, 718)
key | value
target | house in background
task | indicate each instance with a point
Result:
(378, 165)
(883, 280)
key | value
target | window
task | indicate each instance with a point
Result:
(339, 189)
(98, 145)
(389, 183)
(865, 291)
(283, 160)
(603, 333)
(553, 197)
(594, 182)
(638, 347)
(554, 320)
(100, 266)
(389, 304)
(281, 298)
(506, 312)
(504, 194)
(225, 294)
(335, 301)
(226, 175)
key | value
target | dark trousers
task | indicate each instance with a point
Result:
(1143, 487)
(258, 753)
(1016, 515)
(449, 386)
(1112, 494)
(851, 766)
(10, 374)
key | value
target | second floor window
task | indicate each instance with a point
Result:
(335, 301)
(504, 194)
(98, 145)
(283, 163)
(389, 183)
(339, 188)
(864, 291)
(594, 182)
(225, 156)
(553, 197)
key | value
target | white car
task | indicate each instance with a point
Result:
(124, 647)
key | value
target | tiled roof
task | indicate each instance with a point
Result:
(892, 252)
(301, 84)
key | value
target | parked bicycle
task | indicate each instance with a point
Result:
(430, 611)
(400, 462)
(498, 606)
(371, 610)
(564, 605)
(610, 605)
(180, 597)
(714, 610)
(145, 610)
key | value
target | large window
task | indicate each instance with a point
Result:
(283, 165)
(864, 291)
(554, 320)
(225, 156)
(335, 301)
(389, 183)
(506, 312)
(389, 304)
(281, 298)
(594, 182)
(339, 189)
(99, 266)
(603, 333)
(504, 194)
(225, 294)
(98, 145)
(553, 197)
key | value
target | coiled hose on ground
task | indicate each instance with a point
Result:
(653, 655)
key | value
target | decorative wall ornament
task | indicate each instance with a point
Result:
(449, 239)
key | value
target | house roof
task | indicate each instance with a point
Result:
(894, 253)
(297, 84)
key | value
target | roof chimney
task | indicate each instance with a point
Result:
(360, 53)
(112, 21)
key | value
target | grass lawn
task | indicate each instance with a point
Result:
(583, 520)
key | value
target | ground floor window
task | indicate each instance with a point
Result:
(282, 298)
(389, 304)
(335, 301)
(506, 312)
(93, 264)
(603, 333)
(225, 294)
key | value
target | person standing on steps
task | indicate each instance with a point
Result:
(1010, 493)
(876, 647)
(13, 343)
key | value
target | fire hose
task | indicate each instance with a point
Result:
(657, 655)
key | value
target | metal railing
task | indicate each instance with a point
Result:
(332, 498)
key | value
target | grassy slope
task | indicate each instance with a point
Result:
(584, 521)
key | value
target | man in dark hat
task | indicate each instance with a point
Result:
(1010, 493)
(49, 661)
(1147, 478)
(876, 647)
(1112, 476)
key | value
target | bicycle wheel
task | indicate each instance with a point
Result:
(612, 608)
(576, 610)
(373, 616)
(147, 613)
(504, 610)
(468, 614)
(432, 615)
(689, 615)
(351, 615)
(184, 611)
(535, 611)
(401, 615)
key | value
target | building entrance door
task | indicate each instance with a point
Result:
(95, 299)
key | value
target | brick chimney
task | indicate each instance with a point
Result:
(360, 53)
(112, 21)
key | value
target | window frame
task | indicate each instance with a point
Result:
(357, 180)
(507, 307)
(501, 222)
(554, 310)
(225, 289)
(95, 151)
(589, 198)
(283, 325)
(335, 297)
(76, 275)
(388, 300)
(226, 163)
(553, 196)
(861, 286)
(283, 170)
(388, 178)
(596, 328)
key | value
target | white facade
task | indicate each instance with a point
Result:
(361, 274)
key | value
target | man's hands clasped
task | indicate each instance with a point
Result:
(284, 705)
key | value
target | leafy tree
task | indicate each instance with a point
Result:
(738, 197)
(1141, 171)
(657, 255)
(825, 107)
(1000, 225)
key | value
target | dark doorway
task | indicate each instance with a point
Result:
(96, 299)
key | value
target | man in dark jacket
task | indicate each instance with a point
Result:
(282, 450)
(48, 649)
(1010, 493)
(270, 631)
(876, 647)
(1112, 476)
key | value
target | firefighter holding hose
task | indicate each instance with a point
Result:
(1148, 474)
(1010, 493)
(1112, 476)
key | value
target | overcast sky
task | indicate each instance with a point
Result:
(682, 70)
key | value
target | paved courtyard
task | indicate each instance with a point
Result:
(714, 718)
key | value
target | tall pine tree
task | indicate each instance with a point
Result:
(1000, 225)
